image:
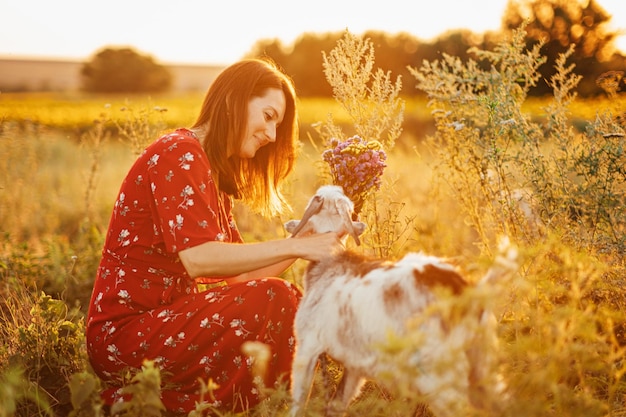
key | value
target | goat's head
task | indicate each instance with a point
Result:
(329, 210)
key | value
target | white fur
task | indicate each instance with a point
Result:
(329, 210)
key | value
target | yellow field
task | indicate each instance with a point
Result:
(57, 128)
(562, 321)
(75, 110)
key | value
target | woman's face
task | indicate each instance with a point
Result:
(265, 113)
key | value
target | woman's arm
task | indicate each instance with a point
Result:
(274, 270)
(253, 259)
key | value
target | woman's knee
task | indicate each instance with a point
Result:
(278, 289)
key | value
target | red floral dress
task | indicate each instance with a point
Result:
(145, 306)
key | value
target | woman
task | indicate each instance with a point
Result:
(172, 227)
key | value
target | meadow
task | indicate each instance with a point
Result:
(480, 161)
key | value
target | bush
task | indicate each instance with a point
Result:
(124, 71)
(44, 341)
(559, 194)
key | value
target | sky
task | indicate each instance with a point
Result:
(221, 32)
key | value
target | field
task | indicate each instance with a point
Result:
(469, 167)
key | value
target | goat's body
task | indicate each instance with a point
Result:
(352, 305)
(350, 308)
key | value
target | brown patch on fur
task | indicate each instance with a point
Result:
(349, 263)
(393, 299)
(347, 319)
(393, 295)
(433, 276)
(360, 265)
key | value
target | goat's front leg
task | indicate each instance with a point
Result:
(302, 373)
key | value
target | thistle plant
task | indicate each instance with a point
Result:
(370, 97)
(43, 342)
(356, 161)
(145, 390)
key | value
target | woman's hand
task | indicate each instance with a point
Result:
(318, 246)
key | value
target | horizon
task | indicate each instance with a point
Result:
(52, 59)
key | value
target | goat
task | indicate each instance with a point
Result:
(352, 304)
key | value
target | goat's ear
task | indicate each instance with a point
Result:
(314, 207)
(355, 230)
(291, 225)
(359, 227)
(345, 209)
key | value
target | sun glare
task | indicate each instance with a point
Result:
(196, 31)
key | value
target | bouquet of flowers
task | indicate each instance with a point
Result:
(357, 166)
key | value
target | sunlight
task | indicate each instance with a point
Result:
(200, 32)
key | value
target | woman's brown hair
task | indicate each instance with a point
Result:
(223, 119)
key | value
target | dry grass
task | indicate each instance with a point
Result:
(561, 318)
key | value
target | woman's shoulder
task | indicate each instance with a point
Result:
(172, 148)
(176, 142)
(179, 137)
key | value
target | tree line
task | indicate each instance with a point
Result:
(556, 23)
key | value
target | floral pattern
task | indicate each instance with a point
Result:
(145, 306)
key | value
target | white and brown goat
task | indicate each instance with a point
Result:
(352, 304)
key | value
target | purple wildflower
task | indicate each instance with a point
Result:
(357, 166)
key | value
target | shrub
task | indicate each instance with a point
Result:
(124, 70)
(44, 341)
(559, 194)
(509, 173)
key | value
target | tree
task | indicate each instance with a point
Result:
(561, 23)
(124, 71)
(302, 60)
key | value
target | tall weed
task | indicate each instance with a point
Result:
(512, 175)
(559, 194)
(372, 102)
